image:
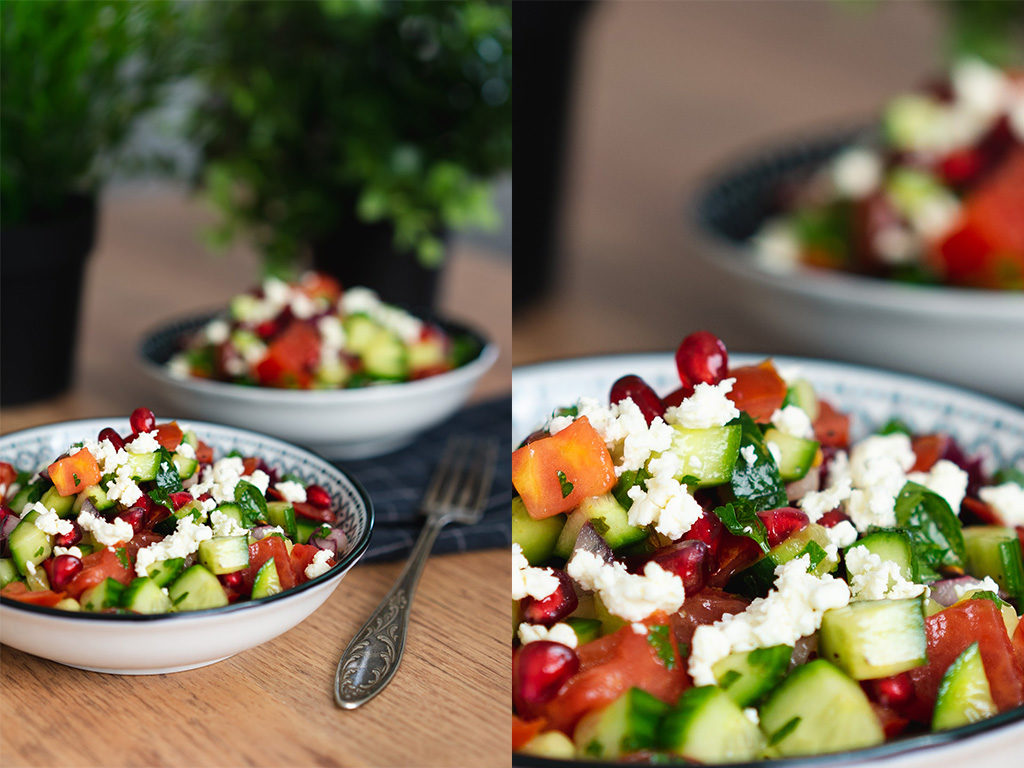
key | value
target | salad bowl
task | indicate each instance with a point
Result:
(139, 644)
(337, 423)
(970, 337)
(983, 427)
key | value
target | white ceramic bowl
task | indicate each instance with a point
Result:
(340, 423)
(143, 645)
(981, 425)
(974, 338)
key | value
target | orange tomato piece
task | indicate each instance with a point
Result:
(74, 473)
(524, 730)
(831, 428)
(759, 390)
(928, 449)
(554, 474)
(169, 435)
(17, 590)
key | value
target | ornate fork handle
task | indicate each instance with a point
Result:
(372, 657)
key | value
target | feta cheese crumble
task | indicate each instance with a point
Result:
(857, 172)
(667, 503)
(538, 583)
(123, 488)
(319, 566)
(185, 540)
(48, 520)
(359, 300)
(793, 420)
(1008, 502)
(793, 609)
(878, 467)
(947, 480)
(872, 578)
(708, 406)
(73, 551)
(291, 491)
(146, 442)
(629, 596)
(107, 534)
(224, 525)
(559, 633)
(985, 585)
(749, 454)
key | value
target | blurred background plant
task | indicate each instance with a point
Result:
(323, 117)
(73, 78)
(989, 29)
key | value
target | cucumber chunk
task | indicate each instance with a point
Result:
(267, 581)
(875, 638)
(995, 551)
(225, 554)
(608, 518)
(610, 623)
(585, 629)
(96, 495)
(628, 724)
(30, 494)
(796, 454)
(304, 529)
(28, 544)
(186, 467)
(964, 693)
(756, 580)
(801, 394)
(145, 596)
(62, 505)
(816, 710)
(552, 744)
(893, 546)
(197, 589)
(144, 466)
(282, 513)
(707, 454)
(163, 572)
(385, 356)
(709, 727)
(747, 676)
(359, 332)
(106, 594)
(535, 537)
(69, 604)
(8, 572)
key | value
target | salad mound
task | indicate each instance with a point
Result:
(933, 195)
(311, 334)
(150, 523)
(721, 574)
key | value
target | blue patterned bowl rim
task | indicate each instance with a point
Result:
(339, 569)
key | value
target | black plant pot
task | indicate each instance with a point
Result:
(41, 269)
(357, 253)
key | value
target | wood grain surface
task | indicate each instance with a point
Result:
(272, 705)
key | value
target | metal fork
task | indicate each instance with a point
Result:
(457, 493)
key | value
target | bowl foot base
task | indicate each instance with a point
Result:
(154, 671)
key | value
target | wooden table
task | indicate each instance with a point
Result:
(271, 705)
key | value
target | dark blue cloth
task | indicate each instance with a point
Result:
(396, 483)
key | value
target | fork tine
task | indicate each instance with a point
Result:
(485, 476)
(477, 482)
(443, 471)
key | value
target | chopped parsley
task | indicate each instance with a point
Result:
(658, 639)
(741, 519)
(78, 480)
(566, 485)
(784, 731)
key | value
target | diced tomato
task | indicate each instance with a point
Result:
(313, 512)
(554, 474)
(986, 248)
(98, 566)
(263, 550)
(290, 356)
(831, 428)
(928, 449)
(169, 435)
(1018, 642)
(893, 724)
(318, 285)
(17, 590)
(204, 453)
(611, 665)
(949, 632)
(524, 730)
(759, 390)
(982, 511)
(249, 465)
(302, 555)
(74, 473)
(8, 474)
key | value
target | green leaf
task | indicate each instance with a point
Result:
(741, 519)
(658, 639)
(252, 503)
(894, 426)
(935, 531)
(816, 553)
(566, 485)
(784, 731)
(759, 484)
(1009, 475)
(627, 480)
(167, 480)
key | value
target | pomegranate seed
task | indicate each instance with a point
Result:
(63, 568)
(701, 358)
(270, 471)
(539, 670)
(962, 166)
(673, 399)
(640, 393)
(115, 439)
(69, 539)
(707, 529)
(145, 502)
(833, 518)
(134, 516)
(689, 560)
(318, 497)
(157, 513)
(553, 608)
(180, 499)
(233, 580)
(266, 329)
(895, 691)
(782, 523)
(142, 420)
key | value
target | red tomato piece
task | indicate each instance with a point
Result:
(611, 665)
(1018, 642)
(313, 512)
(554, 474)
(250, 465)
(74, 473)
(8, 474)
(17, 590)
(831, 428)
(982, 511)
(524, 730)
(302, 555)
(949, 632)
(204, 453)
(96, 568)
(928, 449)
(289, 357)
(263, 550)
(169, 435)
(759, 390)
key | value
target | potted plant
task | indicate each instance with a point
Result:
(355, 134)
(74, 76)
